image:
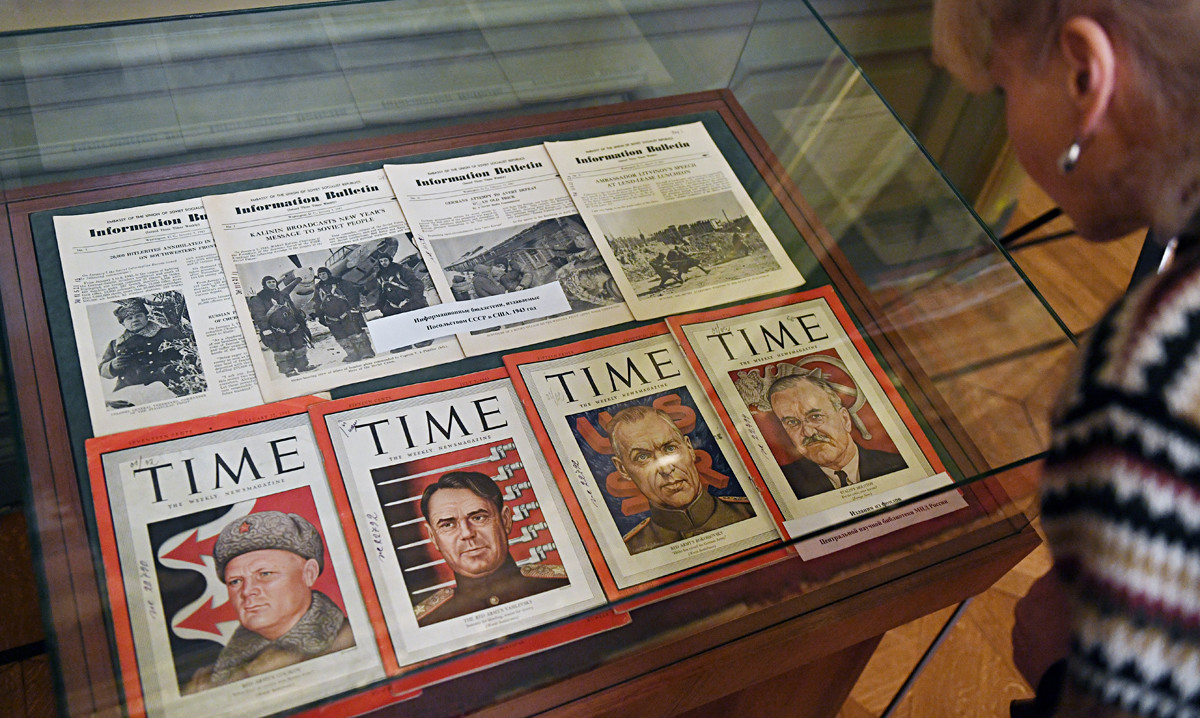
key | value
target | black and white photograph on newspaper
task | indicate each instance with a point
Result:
(149, 349)
(672, 220)
(153, 318)
(502, 224)
(311, 310)
(666, 251)
(311, 265)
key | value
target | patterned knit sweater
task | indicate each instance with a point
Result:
(1121, 499)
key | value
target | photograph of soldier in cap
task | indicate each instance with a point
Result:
(660, 470)
(400, 289)
(269, 562)
(153, 354)
(469, 526)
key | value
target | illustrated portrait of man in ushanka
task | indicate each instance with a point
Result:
(650, 450)
(469, 526)
(818, 424)
(269, 562)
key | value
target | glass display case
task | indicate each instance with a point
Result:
(937, 331)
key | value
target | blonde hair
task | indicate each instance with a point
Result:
(1158, 35)
(1160, 56)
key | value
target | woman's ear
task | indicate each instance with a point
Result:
(1088, 53)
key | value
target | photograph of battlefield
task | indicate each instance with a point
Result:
(678, 246)
(310, 310)
(525, 256)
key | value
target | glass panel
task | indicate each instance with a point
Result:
(96, 100)
(975, 328)
(965, 339)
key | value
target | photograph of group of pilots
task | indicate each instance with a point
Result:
(530, 255)
(146, 349)
(311, 310)
(664, 249)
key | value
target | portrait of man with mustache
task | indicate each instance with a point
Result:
(812, 414)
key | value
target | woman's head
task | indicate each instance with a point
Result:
(1119, 77)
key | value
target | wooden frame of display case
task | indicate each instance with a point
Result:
(814, 636)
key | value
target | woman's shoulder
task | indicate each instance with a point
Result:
(1142, 344)
(1139, 361)
(1119, 489)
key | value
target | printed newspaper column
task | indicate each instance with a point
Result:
(640, 450)
(464, 536)
(154, 323)
(501, 223)
(814, 414)
(678, 230)
(308, 265)
(231, 587)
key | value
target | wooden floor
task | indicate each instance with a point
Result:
(970, 675)
(26, 687)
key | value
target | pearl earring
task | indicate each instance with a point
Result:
(1068, 159)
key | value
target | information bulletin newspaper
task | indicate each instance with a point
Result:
(502, 223)
(336, 227)
(675, 225)
(185, 356)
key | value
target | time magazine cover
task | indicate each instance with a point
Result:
(641, 455)
(230, 584)
(460, 529)
(154, 323)
(675, 225)
(502, 223)
(309, 265)
(814, 414)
